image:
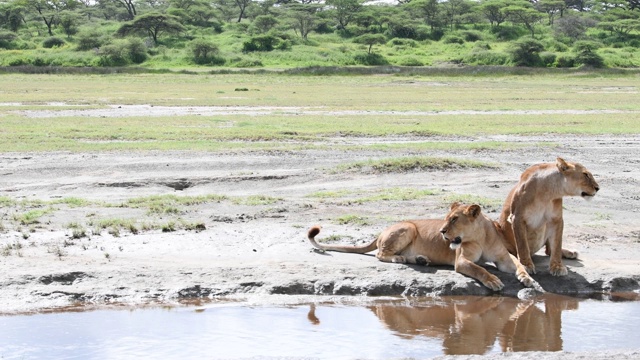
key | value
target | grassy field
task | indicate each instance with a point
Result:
(317, 107)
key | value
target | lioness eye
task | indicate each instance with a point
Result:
(453, 220)
(586, 175)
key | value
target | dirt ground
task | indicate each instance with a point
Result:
(250, 251)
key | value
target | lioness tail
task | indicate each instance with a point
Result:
(315, 230)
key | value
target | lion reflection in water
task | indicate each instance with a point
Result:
(471, 325)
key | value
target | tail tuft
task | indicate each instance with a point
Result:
(313, 232)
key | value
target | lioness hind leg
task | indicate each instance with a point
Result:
(399, 259)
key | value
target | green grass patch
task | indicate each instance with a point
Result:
(255, 200)
(397, 194)
(170, 204)
(31, 217)
(485, 202)
(352, 220)
(412, 164)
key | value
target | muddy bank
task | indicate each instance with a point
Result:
(240, 246)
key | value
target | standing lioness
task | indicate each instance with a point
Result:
(469, 237)
(532, 214)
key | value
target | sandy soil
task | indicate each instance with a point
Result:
(251, 251)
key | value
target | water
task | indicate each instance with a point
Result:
(389, 329)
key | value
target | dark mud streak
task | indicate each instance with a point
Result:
(63, 279)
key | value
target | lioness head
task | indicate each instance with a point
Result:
(460, 220)
(578, 180)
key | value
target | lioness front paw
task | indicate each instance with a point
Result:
(526, 280)
(399, 259)
(528, 264)
(493, 283)
(558, 270)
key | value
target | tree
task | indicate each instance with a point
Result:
(302, 18)
(573, 27)
(152, 24)
(129, 6)
(453, 9)
(370, 39)
(429, 10)
(264, 23)
(69, 21)
(49, 10)
(345, 10)
(242, 5)
(621, 27)
(493, 10)
(551, 8)
(525, 15)
(12, 16)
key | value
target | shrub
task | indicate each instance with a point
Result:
(247, 63)
(6, 39)
(87, 40)
(565, 61)
(402, 42)
(587, 54)
(484, 57)
(136, 50)
(506, 33)
(205, 52)
(526, 52)
(52, 42)
(123, 52)
(548, 58)
(372, 59)
(452, 39)
(404, 31)
(265, 43)
(589, 59)
(410, 61)
(113, 54)
(471, 35)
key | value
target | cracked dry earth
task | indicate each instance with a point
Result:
(248, 250)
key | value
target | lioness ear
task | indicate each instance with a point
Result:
(562, 165)
(454, 205)
(473, 211)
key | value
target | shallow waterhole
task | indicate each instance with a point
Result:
(314, 328)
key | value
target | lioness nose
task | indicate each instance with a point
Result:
(597, 188)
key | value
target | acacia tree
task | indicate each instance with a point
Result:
(129, 6)
(345, 10)
(430, 11)
(493, 10)
(370, 39)
(453, 9)
(242, 5)
(152, 24)
(48, 10)
(302, 18)
(551, 8)
(525, 15)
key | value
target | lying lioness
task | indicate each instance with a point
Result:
(469, 237)
(532, 213)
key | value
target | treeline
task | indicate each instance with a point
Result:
(289, 33)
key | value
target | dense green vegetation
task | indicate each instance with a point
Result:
(179, 34)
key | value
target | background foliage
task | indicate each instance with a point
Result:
(304, 33)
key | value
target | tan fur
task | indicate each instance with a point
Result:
(466, 229)
(532, 213)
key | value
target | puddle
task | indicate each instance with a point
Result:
(389, 329)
